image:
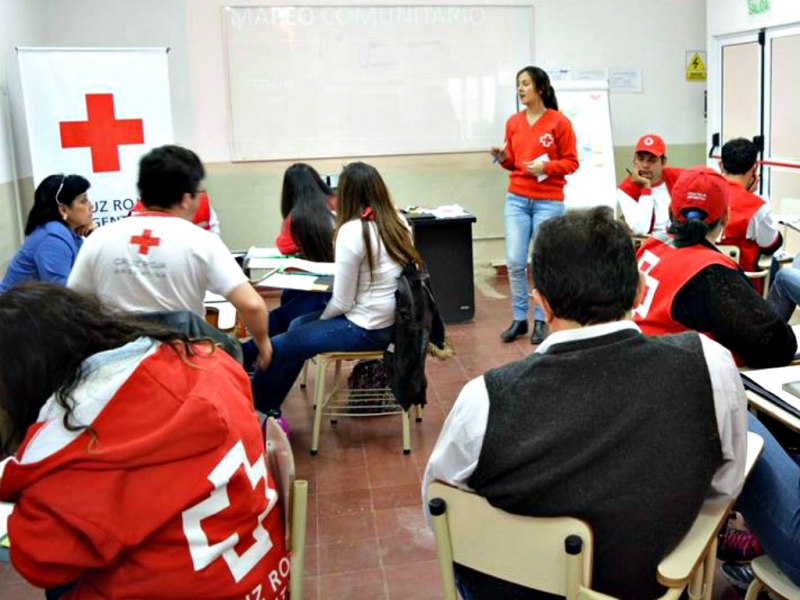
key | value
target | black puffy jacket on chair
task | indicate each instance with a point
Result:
(417, 322)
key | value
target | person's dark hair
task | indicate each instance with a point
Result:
(167, 173)
(693, 230)
(45, 203)
(301, 181)
(584, 265)
(738, 156)
(47, 332)
(541, 80)
(364, 195)
(305, 197)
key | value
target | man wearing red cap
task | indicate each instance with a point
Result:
(644, 195)
(750, 226)
(690, 285)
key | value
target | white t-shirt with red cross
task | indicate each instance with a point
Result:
(155, 262)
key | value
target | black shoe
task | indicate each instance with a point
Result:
(539, 332)
(516, 329)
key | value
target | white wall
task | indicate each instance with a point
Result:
(648, 34)
(20, 25)
(726, 17)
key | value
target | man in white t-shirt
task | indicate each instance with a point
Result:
(159, 261)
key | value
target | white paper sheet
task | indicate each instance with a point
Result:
(772, 380)
(288, 282)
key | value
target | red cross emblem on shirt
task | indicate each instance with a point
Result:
(102, 132)
(145, 241)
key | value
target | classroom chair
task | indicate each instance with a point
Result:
(763, 273)
(555, 554)
(293, 499)
(340, 401)
(770, 576)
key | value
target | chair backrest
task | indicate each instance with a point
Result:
(292, 498)
(280, 462)
(730, 250)
(528, 551)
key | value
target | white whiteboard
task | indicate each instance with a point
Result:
(585, 103)
(328, 81)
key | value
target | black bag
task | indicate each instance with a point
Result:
(370, 375)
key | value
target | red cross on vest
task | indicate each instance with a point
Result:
(145, 241)
(102, 132)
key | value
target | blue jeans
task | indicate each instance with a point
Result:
(295, 303)
(306, 337)
(784, 293)
(522, 219)
(770, 503)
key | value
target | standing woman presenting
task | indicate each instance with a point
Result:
(539, 151)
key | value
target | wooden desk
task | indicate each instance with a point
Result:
(698, 548)
(761, 404)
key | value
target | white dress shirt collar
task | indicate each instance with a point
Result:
(585, 333)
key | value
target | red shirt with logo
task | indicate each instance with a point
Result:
(167, 494)
(551, 136)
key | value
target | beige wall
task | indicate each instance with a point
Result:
(247, 195)
(572, 33)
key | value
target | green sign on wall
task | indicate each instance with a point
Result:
(757, 7)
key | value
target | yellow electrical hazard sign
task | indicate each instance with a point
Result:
(695, 65)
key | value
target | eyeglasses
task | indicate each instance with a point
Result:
(60, 187)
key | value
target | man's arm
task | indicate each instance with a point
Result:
(637, 206)
(456, 454)
(730, 407)
(721, 302)
(255, 315)
(763, 229)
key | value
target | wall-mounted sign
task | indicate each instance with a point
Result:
(695, 65)
(757, 7)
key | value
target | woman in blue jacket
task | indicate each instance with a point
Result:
(60, 217)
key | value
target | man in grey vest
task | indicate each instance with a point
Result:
(627, 432)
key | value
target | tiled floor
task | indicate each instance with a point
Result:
(367, 538)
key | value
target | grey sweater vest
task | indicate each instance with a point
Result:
(618, 430)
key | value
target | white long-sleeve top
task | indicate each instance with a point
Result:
(369, 303)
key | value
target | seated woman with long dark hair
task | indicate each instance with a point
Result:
(61, 215)
(307, 205)
(140, 472)
(373, 245)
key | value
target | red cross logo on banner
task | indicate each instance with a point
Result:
(102, 132)
(145, 241)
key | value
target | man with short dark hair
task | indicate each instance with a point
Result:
(158, 261)
(626, 432)
(643, 196)
(750, 225)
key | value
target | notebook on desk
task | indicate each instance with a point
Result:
(768, 383)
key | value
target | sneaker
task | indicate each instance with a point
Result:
(736, 545)
(284, 424)
(737, 574)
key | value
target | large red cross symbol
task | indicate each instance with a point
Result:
(101, 132)
(145, 241)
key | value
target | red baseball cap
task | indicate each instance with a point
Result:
(651, 143)
(699, 188)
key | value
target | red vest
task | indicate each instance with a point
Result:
(202, 218)
(743, 206)
(666, 270)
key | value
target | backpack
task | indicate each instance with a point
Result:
(370, 375)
